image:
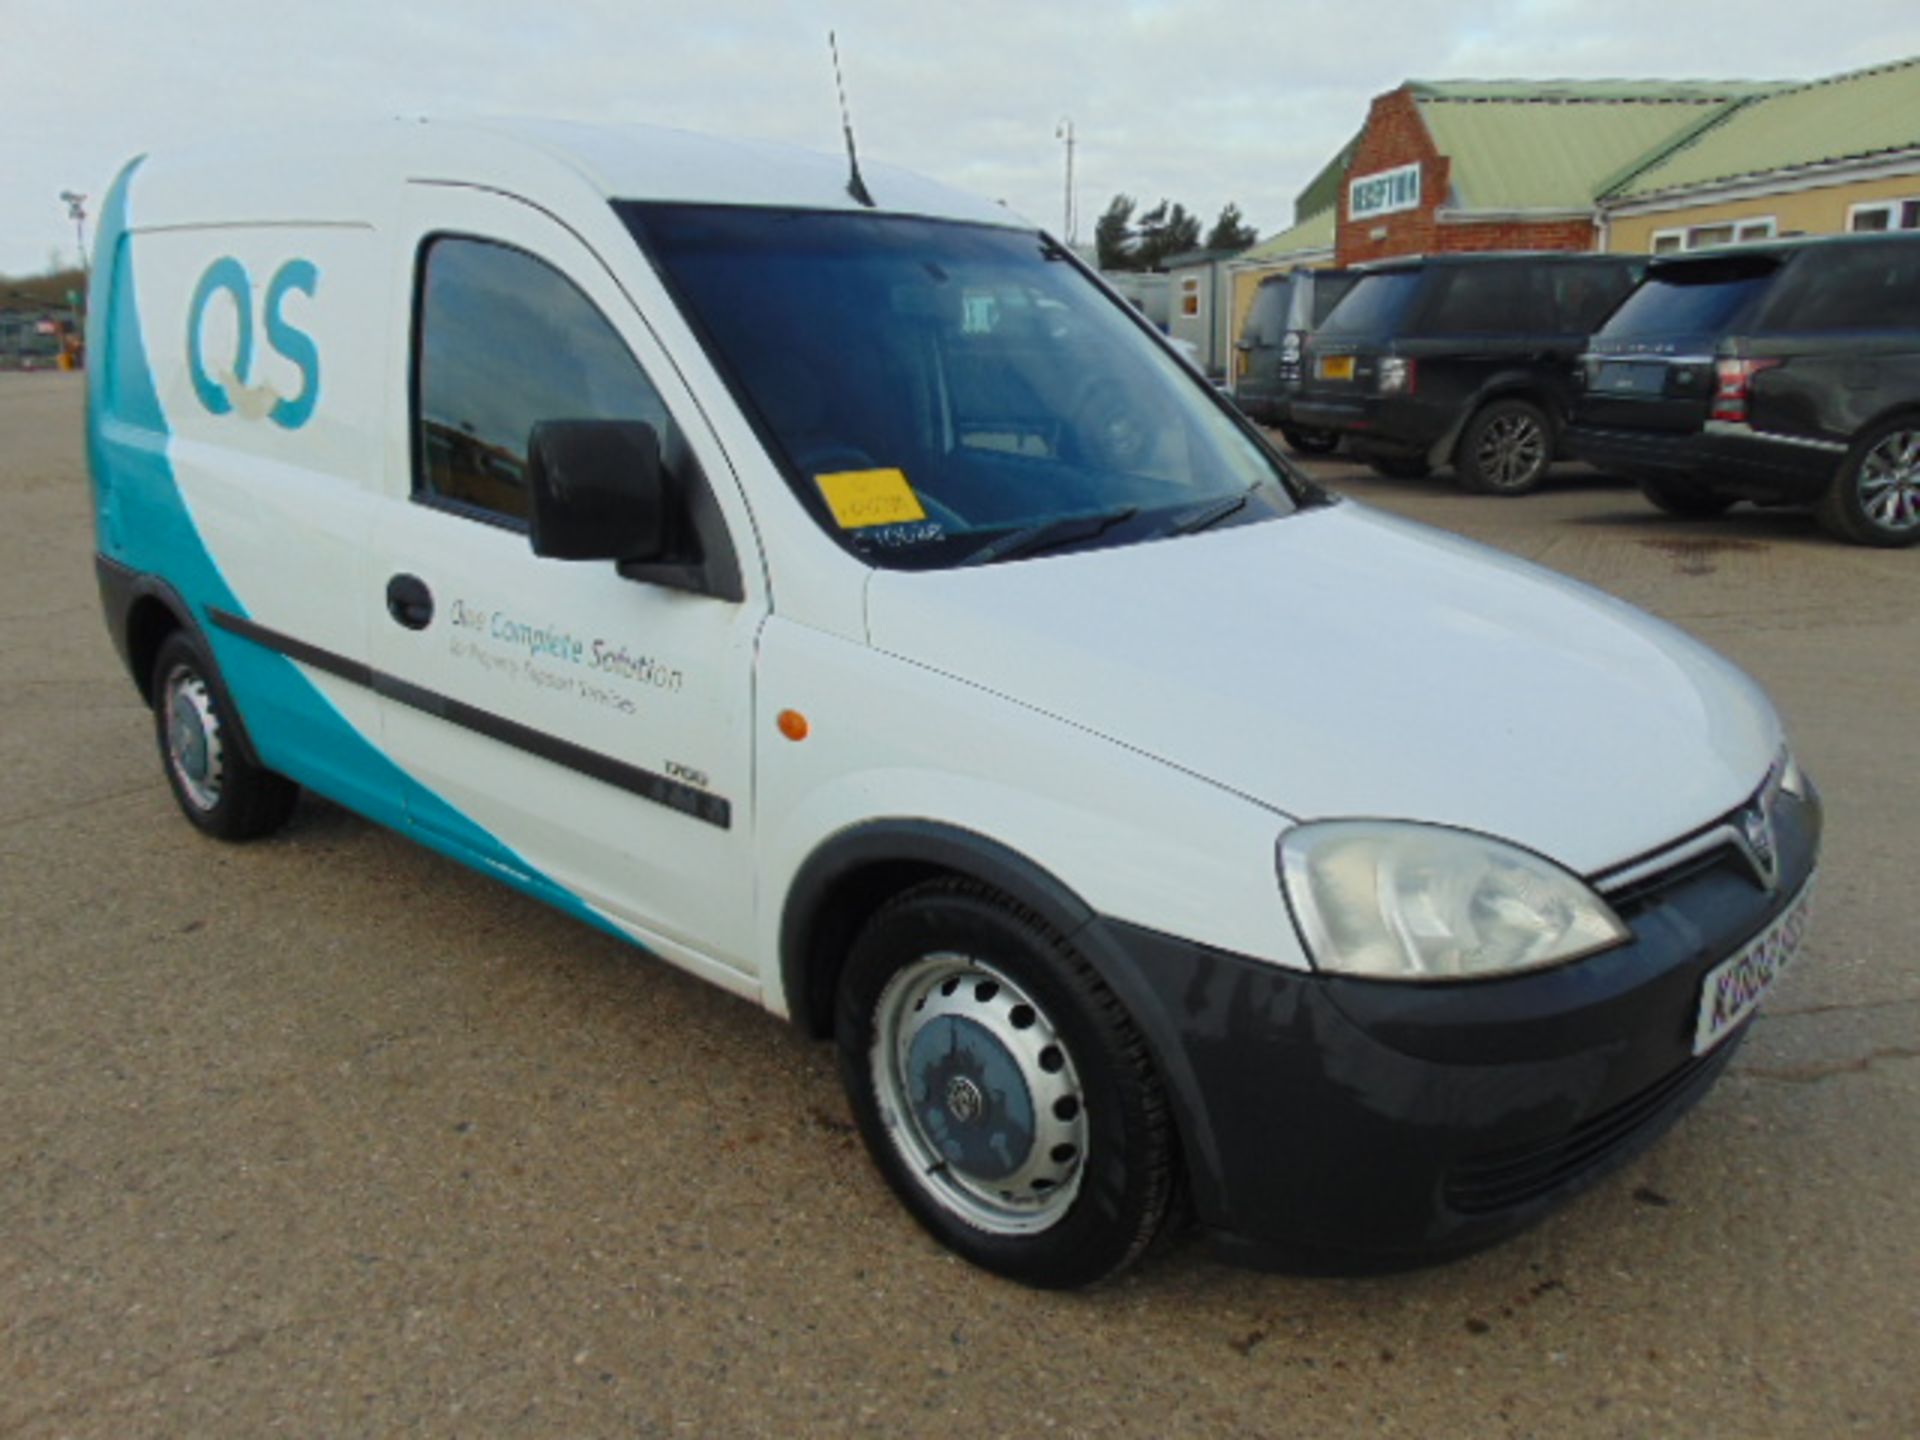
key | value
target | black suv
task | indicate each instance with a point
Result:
(1784, 372)
(1286, 310)
(1462, 359)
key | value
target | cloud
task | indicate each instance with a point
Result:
(1201, 101)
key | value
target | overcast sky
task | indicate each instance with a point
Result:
(1202, 101)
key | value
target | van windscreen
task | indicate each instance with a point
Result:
(1374, 306)
(939, 393)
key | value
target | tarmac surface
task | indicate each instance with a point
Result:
(329, 1136)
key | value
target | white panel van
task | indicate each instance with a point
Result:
(860, 606)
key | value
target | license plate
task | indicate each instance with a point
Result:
(1334, 367)
(1627, 377)
(1735, 987)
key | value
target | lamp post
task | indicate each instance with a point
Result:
(77, 212)
(1070, 218)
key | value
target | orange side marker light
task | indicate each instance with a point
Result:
(793, 724)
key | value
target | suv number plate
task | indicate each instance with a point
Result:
(1735, 987)
(1631, 377)
(1335, 367)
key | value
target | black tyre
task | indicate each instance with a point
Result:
(1002, 1090)
(1875, 499)
(1505, 449)
(1305, 440)
(1688, 501)
(218, 788)
(1399, 467)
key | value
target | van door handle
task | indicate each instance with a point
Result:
(410, 602)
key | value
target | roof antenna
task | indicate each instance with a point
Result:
(856, 187)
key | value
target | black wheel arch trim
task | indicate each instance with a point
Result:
(940, 847)
(928, 843)
(1905, 410)
(122, 589)
(1509, 385)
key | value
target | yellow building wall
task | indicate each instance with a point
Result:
(1813, 212)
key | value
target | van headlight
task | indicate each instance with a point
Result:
(1793, 779)
(1389, 900)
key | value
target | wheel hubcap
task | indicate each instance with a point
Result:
(195, 751)
(1511, 452)
(979, 1094)
(1890, 482)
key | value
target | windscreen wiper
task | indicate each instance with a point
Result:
(1068, 530)
(1211, 514)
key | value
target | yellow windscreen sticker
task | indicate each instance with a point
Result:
(859, 498)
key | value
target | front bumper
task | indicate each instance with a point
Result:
(1336, 1124)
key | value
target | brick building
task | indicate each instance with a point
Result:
(1623, 165)
(1507, 165)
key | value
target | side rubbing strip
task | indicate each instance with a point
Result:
(714, 809)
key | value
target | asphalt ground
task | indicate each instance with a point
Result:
(329, 1136)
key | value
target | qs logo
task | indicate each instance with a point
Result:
(231, 391)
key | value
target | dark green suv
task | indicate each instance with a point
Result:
(1286, 310)
(1465, 360)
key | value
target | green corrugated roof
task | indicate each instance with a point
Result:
(1846, 117)
(1554, 145)
(1313, 233)
(1678, 91)
(1324, 189)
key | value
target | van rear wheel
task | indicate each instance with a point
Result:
(1506, 449)
(217, 787)
(1002, 1089)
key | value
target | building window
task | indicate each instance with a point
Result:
(1705, 237)
(1884, 215)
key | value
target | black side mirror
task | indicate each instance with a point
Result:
(598, 491)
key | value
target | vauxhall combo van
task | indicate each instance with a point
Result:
(834, 589)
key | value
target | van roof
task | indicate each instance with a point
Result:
(333, 172)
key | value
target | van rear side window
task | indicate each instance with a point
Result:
(504, 341)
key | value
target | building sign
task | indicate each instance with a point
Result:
(1384, 192)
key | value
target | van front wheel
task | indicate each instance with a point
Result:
(218, 788)
(1002, 1090)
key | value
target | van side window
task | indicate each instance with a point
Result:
(502, 341)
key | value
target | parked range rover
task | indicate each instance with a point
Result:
(1783, 373)
(1465, 360)
(1285, 312)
